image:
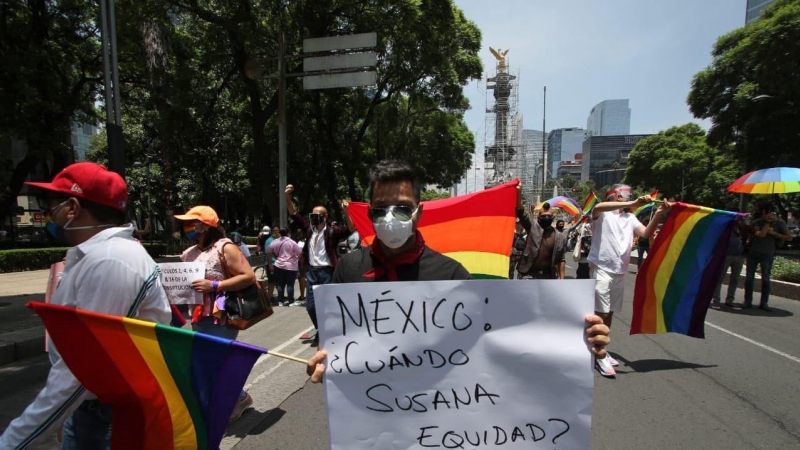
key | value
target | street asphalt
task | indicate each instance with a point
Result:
(736, 389)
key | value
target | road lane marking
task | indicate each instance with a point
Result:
(264, 375)
(764, 346)
(263, 358)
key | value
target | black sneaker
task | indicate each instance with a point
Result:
(747, 305)
(765, 308)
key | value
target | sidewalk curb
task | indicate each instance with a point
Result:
(778, 288)
(21, 344)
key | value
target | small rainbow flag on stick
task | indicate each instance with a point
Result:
(170, 388)
(590, 202)
(475, 229)
(678, 278)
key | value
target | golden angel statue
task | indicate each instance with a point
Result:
(500, 54)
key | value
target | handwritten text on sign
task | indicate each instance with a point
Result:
(457, 364)
(177, 281)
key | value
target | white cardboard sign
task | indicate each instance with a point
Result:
(177, 281)
(457, 364)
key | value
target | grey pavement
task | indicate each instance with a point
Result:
(736, 389)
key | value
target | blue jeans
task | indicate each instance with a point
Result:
(315, 276)
(89, 427)
(734, 262)
(285, 280)
(765, 261)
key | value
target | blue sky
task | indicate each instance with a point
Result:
(587, 51)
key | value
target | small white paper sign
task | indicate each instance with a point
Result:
(457, 364)
(177, 281)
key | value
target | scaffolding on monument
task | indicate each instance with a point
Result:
(503, 126)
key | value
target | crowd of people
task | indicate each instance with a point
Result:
(88, 205)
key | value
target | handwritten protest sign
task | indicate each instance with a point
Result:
(177, 281)
(457, 364)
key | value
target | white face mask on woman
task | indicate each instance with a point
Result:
(392, 231)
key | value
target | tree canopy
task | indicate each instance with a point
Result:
(681, 165)
(751, 89)
(203, 128)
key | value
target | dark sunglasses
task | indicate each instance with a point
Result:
(401, 212)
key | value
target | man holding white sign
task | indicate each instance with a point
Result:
(365, 352)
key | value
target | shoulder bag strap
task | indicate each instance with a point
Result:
(148, 283)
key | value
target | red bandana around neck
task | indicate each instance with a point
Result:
(388, 266)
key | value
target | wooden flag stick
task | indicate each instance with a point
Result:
(289, 357)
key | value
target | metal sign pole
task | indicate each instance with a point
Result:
(282, 129)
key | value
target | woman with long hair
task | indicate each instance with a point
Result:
(201, 225)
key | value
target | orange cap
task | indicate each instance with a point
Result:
(204, 214)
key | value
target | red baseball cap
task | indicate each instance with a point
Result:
(91, 182)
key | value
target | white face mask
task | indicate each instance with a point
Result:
(392, 232)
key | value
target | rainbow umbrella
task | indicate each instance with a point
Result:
(778, 180)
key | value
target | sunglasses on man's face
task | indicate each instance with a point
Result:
(400, 212)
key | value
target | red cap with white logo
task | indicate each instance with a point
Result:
(91, 182)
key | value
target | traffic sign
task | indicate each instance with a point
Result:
(38, 217)
(351, 41)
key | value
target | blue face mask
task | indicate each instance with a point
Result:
(56, 230)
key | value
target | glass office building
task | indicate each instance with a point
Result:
(562, 145)
(755, 8)
(82, 138)
(605, 158)
(609, 118)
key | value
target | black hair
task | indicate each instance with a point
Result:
(210, 237)
(101, 213)
(393, 170)
(284, 231)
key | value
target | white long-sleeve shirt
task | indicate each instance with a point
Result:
(105, 274)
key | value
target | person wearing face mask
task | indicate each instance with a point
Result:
(613, 228)
(768, 231)
(560, 226)
(543, 256)
(106, 271)
(319, 252)
(399, 252)
(201, 225)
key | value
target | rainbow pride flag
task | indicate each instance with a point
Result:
(678, 278)
(567, 204)
(590, 202)
(171, 388)
(474, 229)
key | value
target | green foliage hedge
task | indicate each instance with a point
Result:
(250, 240)
(20, 260)
(786, 270)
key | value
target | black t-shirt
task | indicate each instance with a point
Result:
(431, 266)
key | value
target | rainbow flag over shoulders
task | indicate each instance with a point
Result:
(678, 278)
(590, 202)
(476, 230)
(171, 388)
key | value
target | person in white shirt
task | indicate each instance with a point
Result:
(106, 271)
(613, 228)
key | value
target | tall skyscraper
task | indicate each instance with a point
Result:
(754, 9)
(609, 118)
(562, 145)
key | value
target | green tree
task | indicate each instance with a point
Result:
(681, 164)
(751, 90)
(50, 76)
(428, 195)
